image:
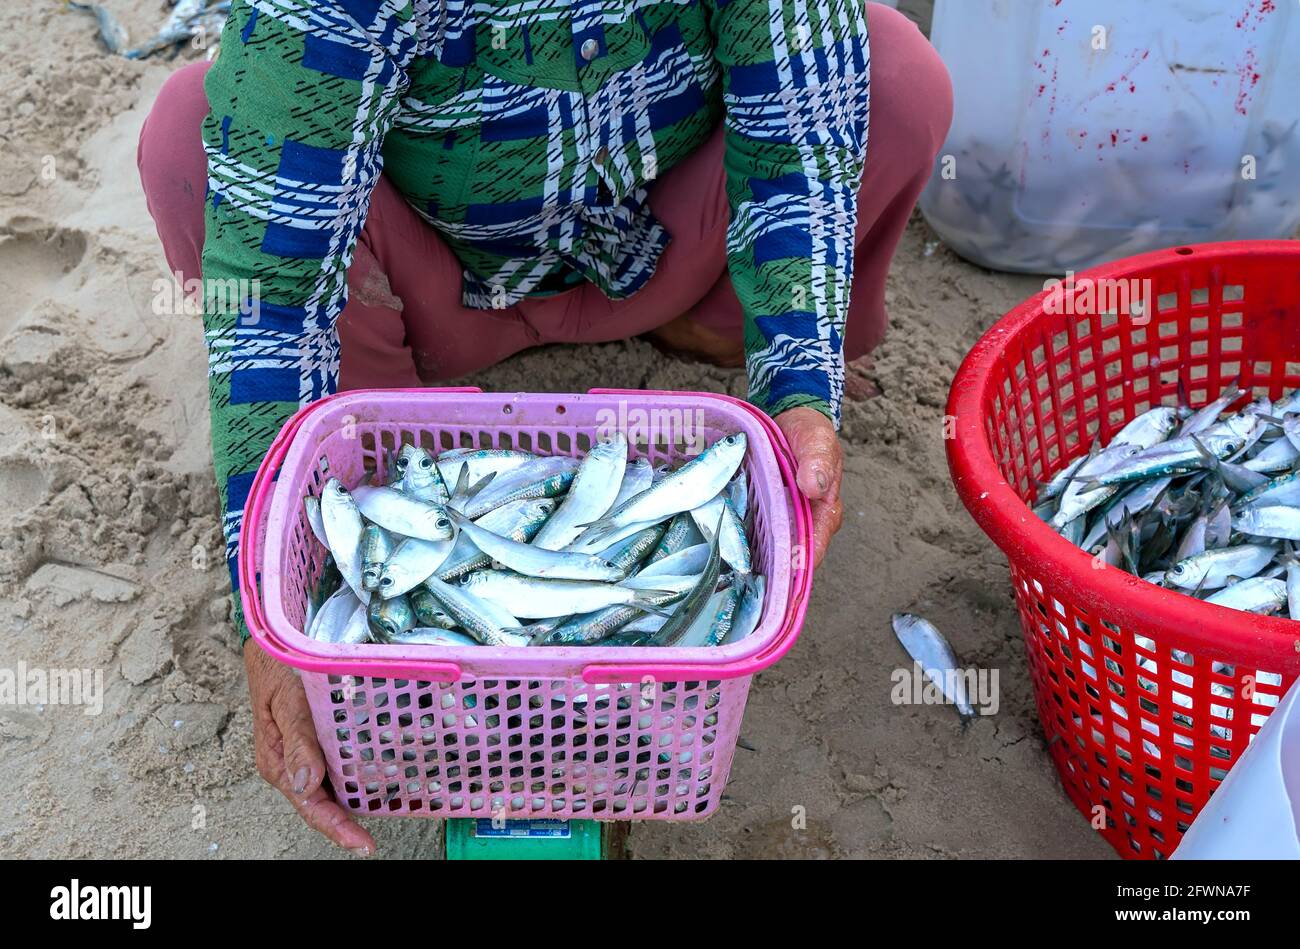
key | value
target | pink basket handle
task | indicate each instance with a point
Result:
(251, 554)
(252, 533)
(801, 579)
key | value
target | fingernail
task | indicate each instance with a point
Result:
(361, 851)
(300, 779)
(822, 482)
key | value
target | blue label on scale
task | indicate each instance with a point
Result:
(534, 827)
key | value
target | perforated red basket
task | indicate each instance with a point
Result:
(1146, 696)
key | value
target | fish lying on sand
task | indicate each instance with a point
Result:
(928, 647)
(199, 20)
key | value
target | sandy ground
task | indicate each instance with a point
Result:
(109, 544)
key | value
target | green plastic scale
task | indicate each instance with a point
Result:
(531, 839)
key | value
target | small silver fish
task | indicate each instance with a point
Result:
(411, 563)
(1280, 455)
(1212, 569)
(685, 614)
(428, 611)
(314, 521)
(629, 552)
(1080, 494)
(1253, 595)
(534, 561)
(540, 478)
(733, 542)
(927, 646)
(1281, 489)
(486, 622)
(420, 476)
(1183, 454)
(750, 611)
(389, 618)
(690, 560)
(376, 546)
(1277, 521)
(1293, 590)
(431, 636)
(480, 462)
(638, 476)
(518, 520)
(1150, 428)
(335, 620)
(688, 487)
(1205, 417)
(542, 599)
(681, 533)
(111, 32)
(344, 532)
(189, 19)
(614, 540)
(590, 495)
(402, 514)
(738, 493)
(584, 629)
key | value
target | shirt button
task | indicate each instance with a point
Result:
(589, 50)
(602, 156)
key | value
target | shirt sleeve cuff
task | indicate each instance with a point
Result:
(795, 401)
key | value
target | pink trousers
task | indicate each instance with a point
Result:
(404, 324)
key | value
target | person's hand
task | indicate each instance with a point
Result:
(288, 754)
(820, 468)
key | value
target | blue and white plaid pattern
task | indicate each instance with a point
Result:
(306, 93)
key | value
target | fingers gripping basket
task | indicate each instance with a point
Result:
(1146, 696)
(598, 732)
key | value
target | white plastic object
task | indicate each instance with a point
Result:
(1255, 813)
(1087, 130)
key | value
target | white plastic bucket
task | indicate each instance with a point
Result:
(1255, 813)
(1086, 130)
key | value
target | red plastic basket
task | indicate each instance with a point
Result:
(1147, 696)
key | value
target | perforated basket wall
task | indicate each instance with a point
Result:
(598, 732)
(1146, 696)
(528, 747)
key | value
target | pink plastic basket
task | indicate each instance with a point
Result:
(595, 732)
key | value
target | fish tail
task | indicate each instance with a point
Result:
(645, 601)
(594, 531)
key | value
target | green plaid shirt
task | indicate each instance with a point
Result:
(527, 133)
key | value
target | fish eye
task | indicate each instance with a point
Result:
(443, 522)
(385, 581)
(426, 462)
